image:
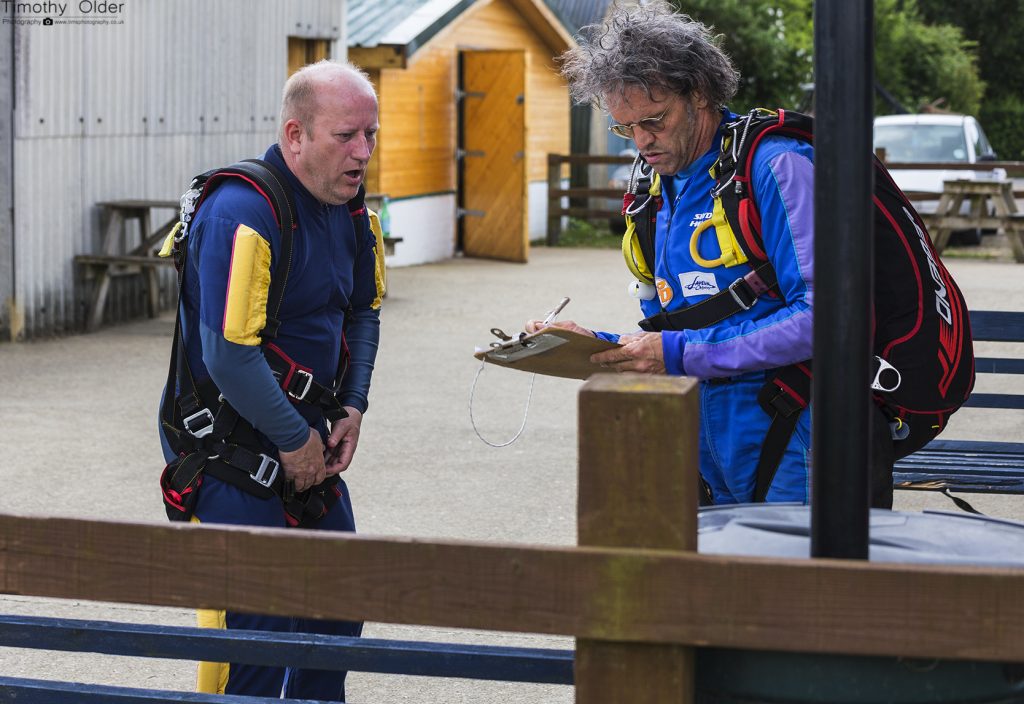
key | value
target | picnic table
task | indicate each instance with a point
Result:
(122, 254)
(991, 206)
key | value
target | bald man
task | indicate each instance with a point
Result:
(326, 338)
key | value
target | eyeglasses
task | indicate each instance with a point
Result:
(648, 124)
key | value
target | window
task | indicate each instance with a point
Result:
(922, 142)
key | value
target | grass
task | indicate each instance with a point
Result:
(582, 233)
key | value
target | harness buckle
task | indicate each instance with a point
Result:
(203, 414)
(300, 396)
(734, 289)
(268, 466)
(782, 402)
(885, 368)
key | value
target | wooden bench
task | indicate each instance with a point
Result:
(974, 465)
(119, 257)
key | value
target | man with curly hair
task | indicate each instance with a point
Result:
(664, 80)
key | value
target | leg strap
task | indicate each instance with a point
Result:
(783, 397)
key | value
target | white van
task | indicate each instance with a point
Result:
(934, 138)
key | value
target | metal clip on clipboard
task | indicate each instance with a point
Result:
(510, 349)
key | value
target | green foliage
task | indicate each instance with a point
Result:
(920, 63)
(1001, 118)
(770, 43)
(996, 25)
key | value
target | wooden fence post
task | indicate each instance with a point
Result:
(554, 202)
(638, 484)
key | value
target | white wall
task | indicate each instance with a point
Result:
(538, 199)
(426, 226)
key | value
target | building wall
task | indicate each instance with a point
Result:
(7, 310)
(416, 150)
(133, 111)
(425, 225)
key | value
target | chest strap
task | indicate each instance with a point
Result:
(741, 295)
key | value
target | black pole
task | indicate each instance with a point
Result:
(844, 281)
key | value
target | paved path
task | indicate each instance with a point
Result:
(77, 438)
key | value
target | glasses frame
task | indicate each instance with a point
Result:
(626, 130)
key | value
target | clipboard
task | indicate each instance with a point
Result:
(551, 351)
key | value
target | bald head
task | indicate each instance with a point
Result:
(300, 99)
(329, 129)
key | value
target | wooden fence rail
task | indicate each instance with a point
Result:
(556, 212)
(633, 593)
(1013, 168)
(556, 193)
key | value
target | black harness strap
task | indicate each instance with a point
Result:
(189, 408)
(222, 443)
(298, 383)
(742, 294)
(272, 184)
(783, 397)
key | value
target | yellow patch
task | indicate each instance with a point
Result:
(245, 305)
(212, 677)
(380, 276)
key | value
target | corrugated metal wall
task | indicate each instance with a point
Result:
(132, 111)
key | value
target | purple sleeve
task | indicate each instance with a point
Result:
(784, 190)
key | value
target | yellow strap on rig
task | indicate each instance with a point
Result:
(633, 255)
(168, 247)
(631, 250)
(731, 252)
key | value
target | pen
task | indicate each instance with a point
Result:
(557, 309)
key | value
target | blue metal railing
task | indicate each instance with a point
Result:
(481, 662)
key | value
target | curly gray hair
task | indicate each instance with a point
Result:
(652, 47)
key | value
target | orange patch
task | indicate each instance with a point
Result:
(664, 291)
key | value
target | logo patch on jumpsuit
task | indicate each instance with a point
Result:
(698, 283)
(664, 290)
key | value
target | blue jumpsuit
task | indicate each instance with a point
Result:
(234, 245)
(733, 357)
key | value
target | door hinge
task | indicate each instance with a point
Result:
(462, 94)
(463, 153)
(463, 212)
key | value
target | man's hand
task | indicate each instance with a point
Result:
(533, 326)
(305, 466)
(641, 352)
(341, 445)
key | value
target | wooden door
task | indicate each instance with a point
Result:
(493, 150)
